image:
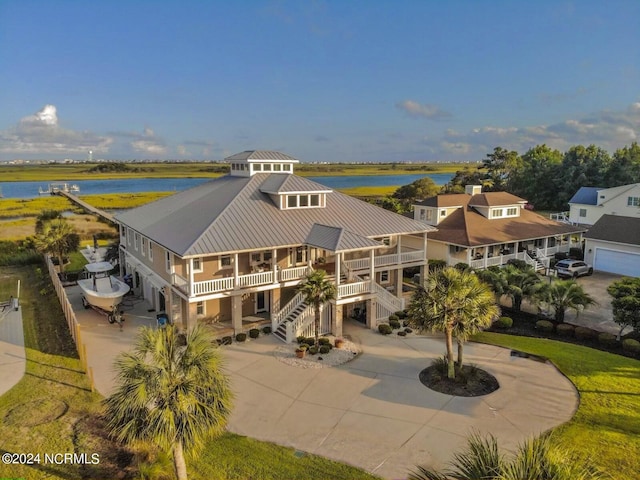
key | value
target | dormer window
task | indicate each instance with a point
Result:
(496, 213)
(257, 167)
(267, 167)
(512, 212)
(305, 200)
(286, 167)
(277, 167)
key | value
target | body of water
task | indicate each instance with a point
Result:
(135, 185)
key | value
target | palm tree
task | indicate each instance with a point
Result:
(535, 459)
(317, 290)
(454, 302)
(520, 283)
(171, 392)
(57, 238)
(564, 294)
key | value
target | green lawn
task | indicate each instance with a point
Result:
(52, 410)
(606, 427)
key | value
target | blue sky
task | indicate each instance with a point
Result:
(365, 80)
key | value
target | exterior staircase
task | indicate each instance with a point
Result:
(537, 260)
(281, 331)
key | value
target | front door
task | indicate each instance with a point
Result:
(261, 301)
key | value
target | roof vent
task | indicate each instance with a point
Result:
(473, 189)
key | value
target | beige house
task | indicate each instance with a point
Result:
(233, 251)
(590, 203)
(485, 229)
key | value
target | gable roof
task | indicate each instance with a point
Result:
(616, 228)
(287, 183)
(230, 214)
(494, 199)
(446, 200)
(586, 196)
(336, 239)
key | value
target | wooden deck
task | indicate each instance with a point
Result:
(86, 206)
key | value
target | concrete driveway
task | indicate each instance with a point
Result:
(598, 317)
(374, 413)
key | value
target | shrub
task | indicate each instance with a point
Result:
(463, 267)
(440, 364)
(406, 323)
(630, 345)
(408, 330)
(324, 349)
(254, 333)
(226, 341)
(504, 323)
(544, 326)
(436, 265)
(584, 333)
(241, 337)
(313, 350)
(301, 339)
(401, 314)
(394, 323)
(385, 329)
(310, 341)
(266, 330)
(607, 339)
(305, 346)
(565, 330)
(402, 333)
(324, 341)
(302, 348)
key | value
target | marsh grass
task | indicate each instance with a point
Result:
(606, 427)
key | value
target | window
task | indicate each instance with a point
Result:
(443, 213)
(256, 258)
(200, 309)
(386, 241)
(633, 202)
(429, 214)
(277, 167)
(286, 167)
(266, 256)
(144, 246)
(583, 212)
(384, 276)
(512, 212)
(150, 250)
(197, 265)
(226, 261)
(496, 213)
(129, 236)
(167, 261)
(314, 200)
(136, 240)
(301, 255)
(267, 167)
(292, 201)
(257, 167)
(423, 214)
(304, 200)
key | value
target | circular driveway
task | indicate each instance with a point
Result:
(374, 413)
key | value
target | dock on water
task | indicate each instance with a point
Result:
(54, 188)
(86, 206)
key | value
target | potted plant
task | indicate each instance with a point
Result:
(339, 342)
(300, 351)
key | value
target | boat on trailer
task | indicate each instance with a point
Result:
(101, 291)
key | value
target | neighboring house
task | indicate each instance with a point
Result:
(484, 229)
(613, 245)
(236, 248)
(590, 203)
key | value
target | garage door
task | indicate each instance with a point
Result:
(622, 263)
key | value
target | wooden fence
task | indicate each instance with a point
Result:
(70, 316)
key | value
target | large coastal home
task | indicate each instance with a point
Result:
(613, 245)
(234, 250)
(590, 203)
(485, 229)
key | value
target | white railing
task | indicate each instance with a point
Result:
(391, 301)
(304, 324)
(253, 279)
(294, 273)
(355, 288)
(477, 263)
(382, 313)
(552, 250)
(499, 260)
(212, 286)
(279, 317)
(180, 282)
(357, 264)
(542, 258)
(415, 256)
(529, 260)
(384, 260)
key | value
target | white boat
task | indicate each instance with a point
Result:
(102, 290)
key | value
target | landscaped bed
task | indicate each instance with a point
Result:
(606, 427)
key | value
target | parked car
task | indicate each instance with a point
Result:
(573, 268)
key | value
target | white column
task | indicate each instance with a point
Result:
(546, 244)
(468, 256)
(338, 257)
(191, 277)
(236, 282)
(486, 253)
(372, 269)
(274, 264)
(399, 248)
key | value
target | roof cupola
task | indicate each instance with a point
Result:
(246, 163)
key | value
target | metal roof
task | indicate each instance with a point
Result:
(287, 183)
(230, 214)
(586, 196)
(259, 155)
(337, 239)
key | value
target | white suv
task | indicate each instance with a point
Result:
(573, 268)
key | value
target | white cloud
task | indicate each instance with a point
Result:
(148, 143)
(41, 134)
(424, 110)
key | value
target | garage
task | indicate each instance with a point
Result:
(622, 263)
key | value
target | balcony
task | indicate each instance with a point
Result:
(386, 260)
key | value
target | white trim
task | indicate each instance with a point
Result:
(200, 262)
